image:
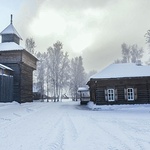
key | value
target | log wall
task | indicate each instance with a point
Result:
(6, 88)
(10, 56)
(26, 83)
(29, 59)
(98, 87)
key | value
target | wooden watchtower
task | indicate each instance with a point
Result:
(21, 61)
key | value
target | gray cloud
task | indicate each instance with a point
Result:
(125, 22)
(110, 23)
(78, 4)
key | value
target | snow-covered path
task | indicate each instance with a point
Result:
(69, 126)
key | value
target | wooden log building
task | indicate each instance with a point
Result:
(20, 61)
(124, 83)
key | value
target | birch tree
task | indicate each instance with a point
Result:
(130, 54)
(30, 45)
(77, 76)
(58, 64)
(125, 53)
(136, 53)
(41, 73)
(147, 36)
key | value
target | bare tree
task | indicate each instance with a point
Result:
(30, 45)
(125, 53)
(41, 73)
(58, 64)
(89, 74)
(64, 76)
(77, 76)
(147, 36)
(136, 53)
(117, 61)
(130, 54)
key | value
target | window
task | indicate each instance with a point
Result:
(130, 94)
(110, 95)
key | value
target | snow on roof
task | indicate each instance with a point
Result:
(7, 46)
(80, 89)
(10, 30)
(122, 70)
(10, 46)
(5, 67)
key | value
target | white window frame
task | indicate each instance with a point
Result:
(111, 95)
(130, 94)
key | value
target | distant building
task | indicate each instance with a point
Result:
(124, 83)
(84, 95)
(20, 61)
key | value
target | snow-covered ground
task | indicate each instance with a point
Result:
(69, 126)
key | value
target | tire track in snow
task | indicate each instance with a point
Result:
(123, 145)
(54, 138)
(33, 117)
(58, 138)
(63, 132)
(70, 128)
(126, 127)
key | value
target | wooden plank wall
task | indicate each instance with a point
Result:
(6, 88)
(17, 81)
(28, 59)
(10, 57)
(23, 81)
(26, 83)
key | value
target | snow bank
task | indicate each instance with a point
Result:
(92, 106)
(125, 107)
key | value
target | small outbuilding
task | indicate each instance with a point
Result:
(125, 83)
(84, 95)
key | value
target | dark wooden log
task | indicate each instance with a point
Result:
(141, 85)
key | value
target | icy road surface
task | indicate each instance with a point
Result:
(69, 126)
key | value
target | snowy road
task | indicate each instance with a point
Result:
(69, 126)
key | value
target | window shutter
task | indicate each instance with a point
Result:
(116, 95)
(125, 94)
(135, 93)
(106, 98)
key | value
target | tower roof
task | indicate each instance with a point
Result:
(10, 29)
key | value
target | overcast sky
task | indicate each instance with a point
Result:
(94, 29)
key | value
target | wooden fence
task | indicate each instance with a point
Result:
(6, 88)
